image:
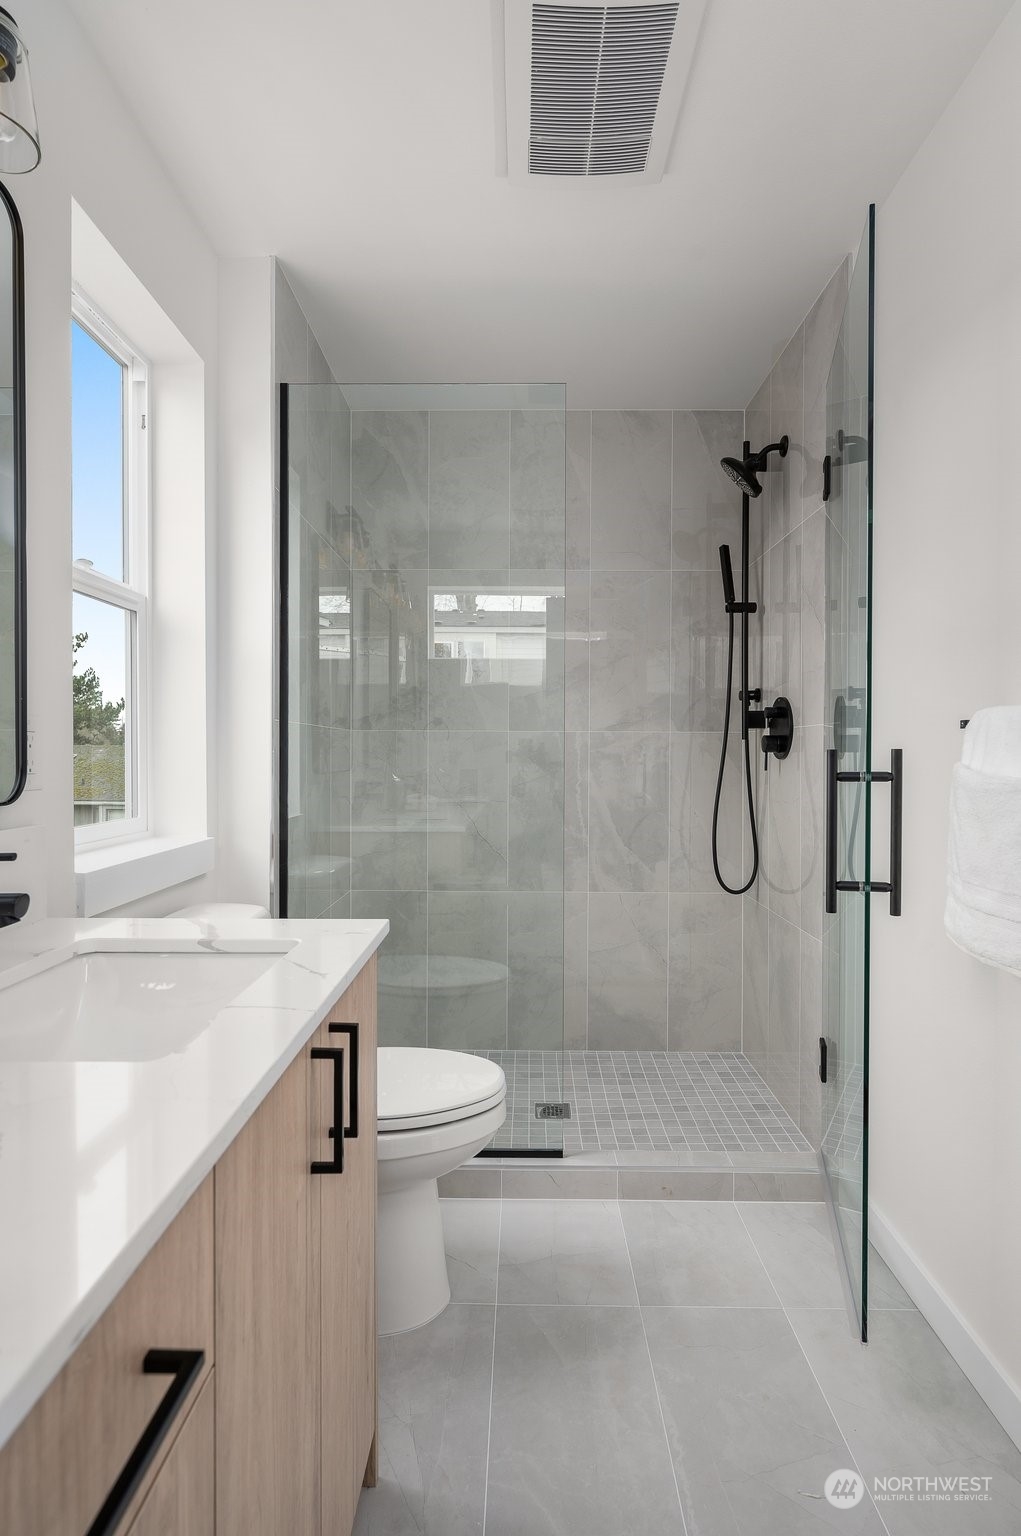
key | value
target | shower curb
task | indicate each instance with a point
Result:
(592, 1181)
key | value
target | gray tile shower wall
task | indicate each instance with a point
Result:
(458, 652)
(472, 501)
(653, 949)
(783, 914)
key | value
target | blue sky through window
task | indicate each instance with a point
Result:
(97, 454)
(97, 498)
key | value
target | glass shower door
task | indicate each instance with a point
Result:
(421, 741)
(845, 1024)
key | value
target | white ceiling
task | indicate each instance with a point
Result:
(355, 140)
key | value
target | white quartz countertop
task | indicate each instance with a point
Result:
(98, 1157)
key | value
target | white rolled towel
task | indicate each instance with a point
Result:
(983, 911)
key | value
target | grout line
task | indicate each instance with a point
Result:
(652, 1370)
(794, 1331)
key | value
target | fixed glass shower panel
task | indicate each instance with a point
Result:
(422, 690)
(845, 1025)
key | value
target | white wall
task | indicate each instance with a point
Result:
(92, 152)
(245, 597)
(946, 1031)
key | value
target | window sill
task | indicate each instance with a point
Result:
(109, 877)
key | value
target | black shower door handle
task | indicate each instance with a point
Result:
(895, 778)
(184, 1366)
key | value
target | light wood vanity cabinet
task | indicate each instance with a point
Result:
(295, 1290)
(61, 1465)
(277, 1263)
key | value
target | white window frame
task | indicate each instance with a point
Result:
(132, 594)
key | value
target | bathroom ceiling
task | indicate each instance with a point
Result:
(356, 140)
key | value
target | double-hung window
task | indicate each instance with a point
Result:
(110, 579)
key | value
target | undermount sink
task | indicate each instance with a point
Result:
(112, 1005)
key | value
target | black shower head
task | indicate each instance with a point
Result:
(745, 472)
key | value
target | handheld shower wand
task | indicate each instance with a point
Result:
(745, 472)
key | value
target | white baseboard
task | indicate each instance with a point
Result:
(994, 1386)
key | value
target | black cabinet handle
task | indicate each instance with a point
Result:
(895, 778)
(351, 1030)
(184, 1366)
(334, 1053)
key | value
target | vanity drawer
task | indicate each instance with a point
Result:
(60, 1466)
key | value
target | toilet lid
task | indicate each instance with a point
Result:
(416, 1086)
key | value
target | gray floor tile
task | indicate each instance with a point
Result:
(795, 1245)
(694, 1253)
(565, 1252)
(471, 1236)
(434, 1395)
(906, 1409)
(577, 1444)
(752, 1438)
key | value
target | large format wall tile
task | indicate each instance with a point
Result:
(538, 453)
(631, 454)
(785, 477)
(705, 973)
(469, 484)
(577, 647)
(468, 1010)
(403, 981)
(784, 1013)
(628, 798)
(755, 989)
(698, 645)
(781, 834)
(627, 971)
(575, 970)
(694, 767)
(821, 328)
(390, 626)
(809, 1115)
(706, 506)
(814, 708)
(468, 808)
(813, 843)
(388, 810)
(630, 652)
(611, 1473)
(535, 813)
(390, 487)
(535, 958)
(579, 489)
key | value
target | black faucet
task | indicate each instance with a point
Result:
(13, 904)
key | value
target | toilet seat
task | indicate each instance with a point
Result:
(420, 1087)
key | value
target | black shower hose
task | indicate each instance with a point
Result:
(734, 890)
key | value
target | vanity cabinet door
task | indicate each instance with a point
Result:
(61, 1466)
(348, 1231)
(267, 1318)
(182, 1500)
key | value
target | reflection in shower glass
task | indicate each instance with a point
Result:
(424, 692)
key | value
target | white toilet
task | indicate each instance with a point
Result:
(436, 1110)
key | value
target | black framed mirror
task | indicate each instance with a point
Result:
(13, 674)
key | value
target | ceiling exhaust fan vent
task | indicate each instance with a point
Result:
(594, 91)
